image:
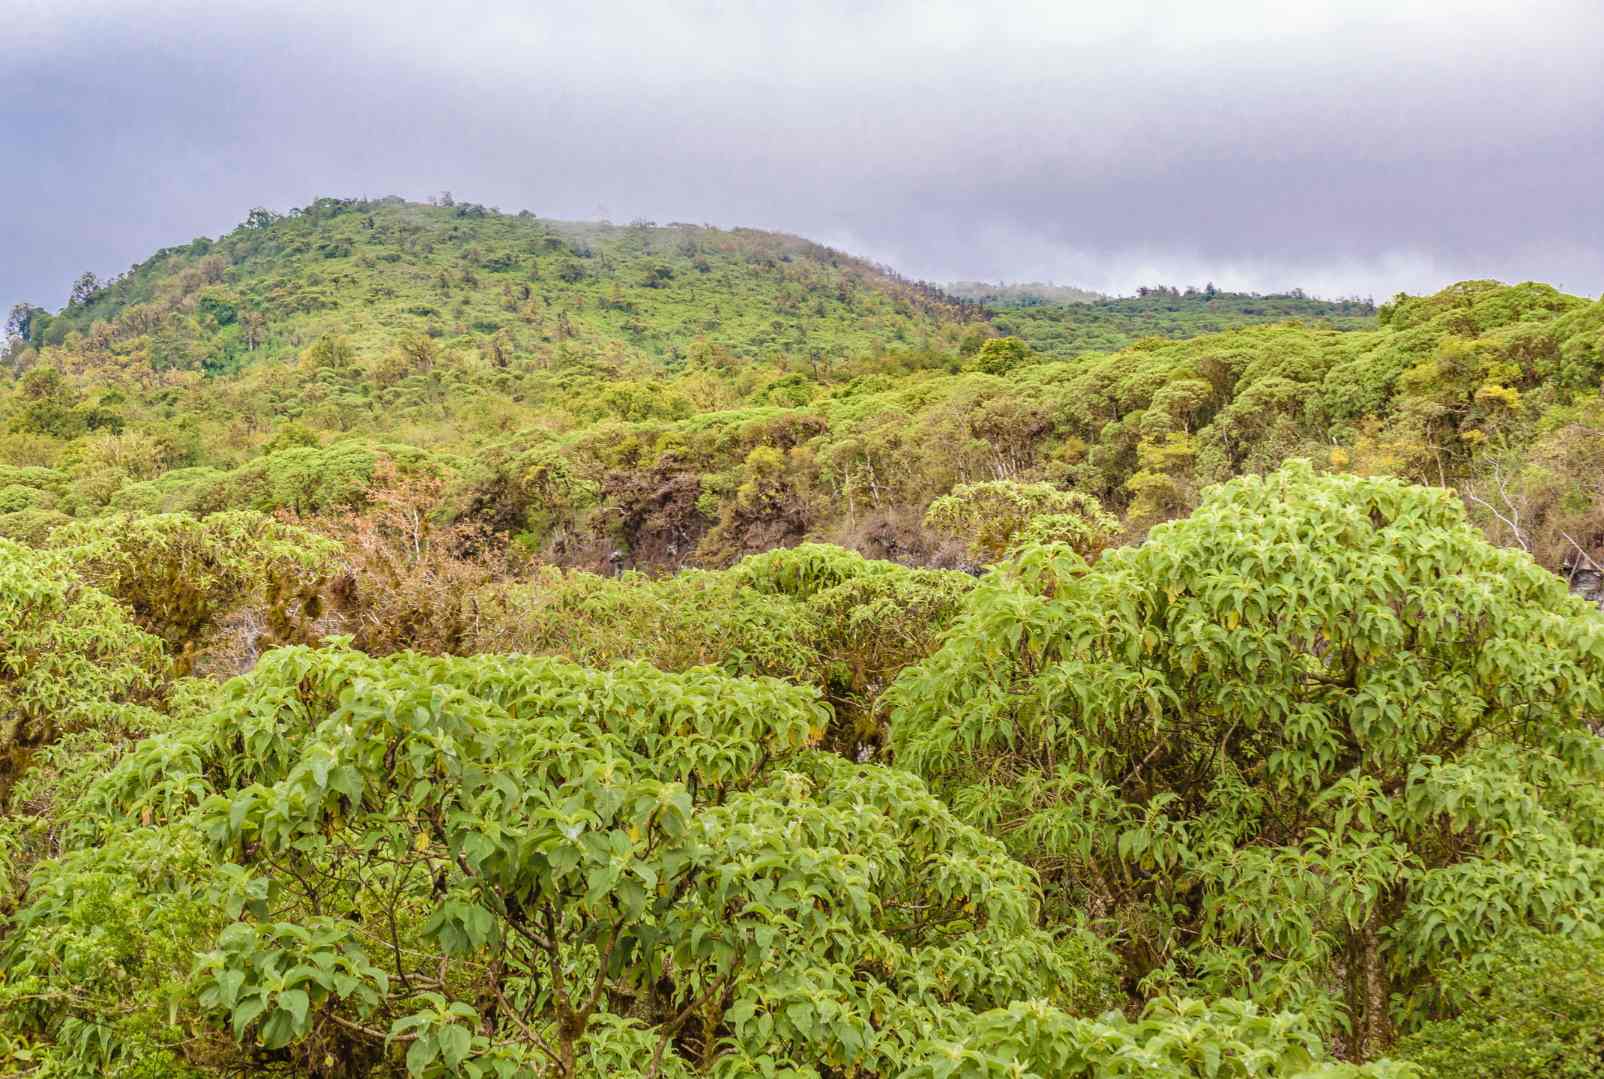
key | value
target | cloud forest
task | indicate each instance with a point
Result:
(445, 642)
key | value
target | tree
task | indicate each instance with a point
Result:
(1000, 355)
(254, 327)
(991, 517)
(330, 352)
(1306, 745)
(519, 866)
(84, 288)
(22, 320)
(419, 352)
(50, 405)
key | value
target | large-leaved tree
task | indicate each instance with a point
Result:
(1304, 746)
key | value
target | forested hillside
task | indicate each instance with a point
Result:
(436, 642)
(1026, 294)
(1063, 327)
(550, 292)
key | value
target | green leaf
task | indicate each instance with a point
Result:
(422, 1053)
(295, 1002)
(455, 1042)
(247, 1010)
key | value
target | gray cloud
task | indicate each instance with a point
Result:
(1349, 148)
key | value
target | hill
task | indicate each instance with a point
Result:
(599, 423)
(666, 447)
(549, 291)
(565, 294)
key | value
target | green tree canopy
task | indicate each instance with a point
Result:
(1001, 354)
(70, 658)
(993, 516)
(1303, 746)
(514, 866)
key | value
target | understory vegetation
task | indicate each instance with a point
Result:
(438, 642)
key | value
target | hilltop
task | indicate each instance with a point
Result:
(559, 294)
(547, 291)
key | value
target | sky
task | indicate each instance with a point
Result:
(1357, 148)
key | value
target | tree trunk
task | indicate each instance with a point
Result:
(1369, 992)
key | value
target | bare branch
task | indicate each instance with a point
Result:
(1512, 525)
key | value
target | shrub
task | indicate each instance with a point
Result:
(69, 657)
(991, 517)
(518, 864)
(180, 575)
(408, 579)
(1533, 1006)
(308, 479)
(1180, 1038)
(31, 526)
(16, 498)
(692, 619)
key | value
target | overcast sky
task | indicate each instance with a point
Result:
(1350, 148)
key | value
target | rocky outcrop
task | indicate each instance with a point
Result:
(1585, 577)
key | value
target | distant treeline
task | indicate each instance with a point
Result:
(1023, 294)
(1069, 328)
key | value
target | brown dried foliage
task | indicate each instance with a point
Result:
(409, 579)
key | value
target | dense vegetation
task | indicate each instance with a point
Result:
(552, 293)
(437, 642)
(1064, 322)
(1028, 294)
